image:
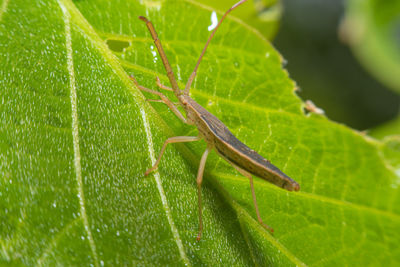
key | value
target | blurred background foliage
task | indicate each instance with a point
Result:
(344, 55)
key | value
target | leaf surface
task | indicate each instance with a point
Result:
(77, 137)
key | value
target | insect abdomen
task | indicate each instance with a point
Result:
(228, 146)
(249, 160)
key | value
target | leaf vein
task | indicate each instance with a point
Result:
(198, 92)
(160, 188)
(53, 242)
(168, 43)
(325, 199)
(75, 131)
(267, 236)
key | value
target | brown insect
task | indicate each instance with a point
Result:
(216, 134)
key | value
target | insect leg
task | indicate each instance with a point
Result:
(248, 175)
(162, 86)
(160, 101)
(199, 180)
(164, 99)
(176, 139)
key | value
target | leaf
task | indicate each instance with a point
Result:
(77, 136)
(372, 29)
(391, 128)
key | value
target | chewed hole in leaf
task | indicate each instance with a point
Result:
(117, 45)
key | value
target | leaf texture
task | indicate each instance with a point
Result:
(77, 137)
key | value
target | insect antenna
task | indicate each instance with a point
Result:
(191, 78)
(163, 56)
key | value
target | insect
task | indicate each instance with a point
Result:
(213, 131)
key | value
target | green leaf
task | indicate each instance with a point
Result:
(372, 29)
(77, 137)
(387, 129)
